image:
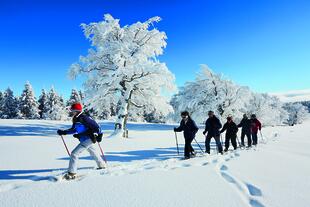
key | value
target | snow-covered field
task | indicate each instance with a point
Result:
(144, 170)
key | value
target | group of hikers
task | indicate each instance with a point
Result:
(213, 129)
(88, 132)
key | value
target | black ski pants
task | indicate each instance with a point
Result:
(188, 149)
(248, 135)
(217, 141)
(254, 137)
(233, 140)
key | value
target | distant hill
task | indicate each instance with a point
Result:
(294, 96)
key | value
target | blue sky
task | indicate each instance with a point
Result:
(263, 44)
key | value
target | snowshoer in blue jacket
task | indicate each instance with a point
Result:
(87, 131)
(212, 128)
(189, 128)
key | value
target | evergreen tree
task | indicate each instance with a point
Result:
(74, 97)
(28, 104)
(1, 102)
(55, 107)
(10, 105)
(82, 95)
(43, 103)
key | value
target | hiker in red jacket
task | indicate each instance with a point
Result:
(255, 126)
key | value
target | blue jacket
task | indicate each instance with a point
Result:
(84, 126)
(80, 129)
(189, 128)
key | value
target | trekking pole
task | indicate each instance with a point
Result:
(65, 145)
(176, 140)
(199, 145)
(262, 138)
(221, 139)
(216, 147)
(239, 143)
(105, 160)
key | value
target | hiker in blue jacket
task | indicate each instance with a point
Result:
(83, 128)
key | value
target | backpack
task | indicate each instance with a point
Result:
(93, 129)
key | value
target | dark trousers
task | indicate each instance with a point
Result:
(188, 149)
(254, 137)
(233, 141)
(248, 134)
(217, 140)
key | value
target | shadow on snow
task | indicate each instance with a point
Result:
(30, 130)
(30, 174)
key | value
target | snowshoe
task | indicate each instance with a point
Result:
(69, 176)
(193, 154)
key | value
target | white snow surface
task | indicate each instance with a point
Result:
(145, 170)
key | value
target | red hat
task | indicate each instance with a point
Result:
(76, 107)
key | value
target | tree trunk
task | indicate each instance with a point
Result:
(122, 118)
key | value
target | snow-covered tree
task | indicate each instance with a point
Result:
(82, 95)
(43, 103)
(297, 113)
(306, 104)
(210, 91)
(269, 109)
(74, 97)
(28, 104)
(9, 105)
(55, 107)
(1, 103)
(122, 67)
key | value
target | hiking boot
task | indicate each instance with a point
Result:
(225, 150)
(193, 154)
(186, 158)
(69, 176)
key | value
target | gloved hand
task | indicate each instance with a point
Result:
(99, 137)
(76, 136)
(174, 129)
(61, 132)
(204, 132)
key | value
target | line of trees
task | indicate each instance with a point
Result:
(211, 91)
(49, 105)
(52, 106)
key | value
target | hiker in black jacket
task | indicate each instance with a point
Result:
(231, 133)
(246, 125)
(212, 129)
(189, 128)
